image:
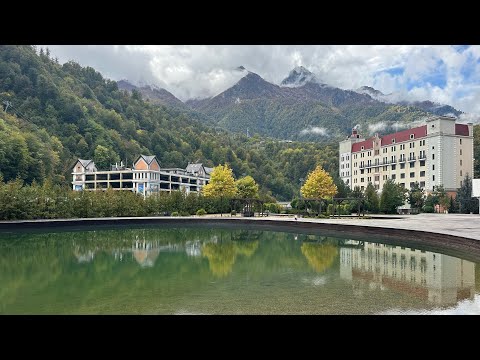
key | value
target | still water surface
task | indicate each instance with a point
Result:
(227, 271)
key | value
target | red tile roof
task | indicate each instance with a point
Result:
(461, 129)
(401, 136)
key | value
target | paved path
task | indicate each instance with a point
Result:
(463, 225)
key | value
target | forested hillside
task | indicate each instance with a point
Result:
(52, 114)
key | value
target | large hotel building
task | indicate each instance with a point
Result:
(437, 153)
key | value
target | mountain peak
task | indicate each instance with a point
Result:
(298, 77)
(369, 91)
(241, 68)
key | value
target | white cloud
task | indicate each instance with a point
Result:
(192, 71)
(314, 130)
(377, 127)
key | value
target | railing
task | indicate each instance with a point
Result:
(422, 157)
(401, 160)
(412, 158)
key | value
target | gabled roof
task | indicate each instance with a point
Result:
(208, 170)
(195, 167)
(148, 158)
(84, 162)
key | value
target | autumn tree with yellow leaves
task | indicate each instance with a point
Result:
(319, 185)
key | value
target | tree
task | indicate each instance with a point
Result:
(357, 205)
(464, 196)
(319, 184)
(247, 188)
(443, 198)
(103, 157)
(393, 196)
(416, 196)
(221, 183)
(371, 198)
(343, 190)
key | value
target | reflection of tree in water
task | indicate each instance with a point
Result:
(221, 257)
(320, 256)
(246, 248)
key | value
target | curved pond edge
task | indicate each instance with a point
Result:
(463, 247)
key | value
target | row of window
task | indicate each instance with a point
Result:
(421, 184)
(392, 148)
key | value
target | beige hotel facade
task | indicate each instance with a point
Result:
(437, 153)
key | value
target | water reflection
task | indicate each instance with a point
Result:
(436, 278)
(224, 271)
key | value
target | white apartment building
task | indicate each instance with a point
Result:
(437, 153)
(145, 177)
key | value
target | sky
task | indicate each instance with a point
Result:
(448, 74)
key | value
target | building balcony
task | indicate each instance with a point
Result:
(412, 158)
(402, 160)
(422, 157)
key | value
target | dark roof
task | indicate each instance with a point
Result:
(148, 158)
(461, 129)
(195, 167)
(84, 162)
(401, 136)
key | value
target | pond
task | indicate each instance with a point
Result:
(199, 270)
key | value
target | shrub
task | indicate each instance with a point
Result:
(175, 213)
(201, 212)
(428, 209)
(184, 213)
(233, 213)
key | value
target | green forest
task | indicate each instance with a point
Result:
(53, 114)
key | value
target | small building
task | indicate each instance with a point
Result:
(145, 177)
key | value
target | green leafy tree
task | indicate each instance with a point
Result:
(416, 196)
(104, 157)
(247, 188)
(319, 184)
(371, 199)
(393, 196)
(357, 205)
(466, 203)
(442, 196)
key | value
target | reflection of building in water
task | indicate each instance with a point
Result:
(84, 256)
(193, 248)
(438, 278)
(146, 252)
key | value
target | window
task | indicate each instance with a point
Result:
(393, 142)
(460, 151)
(394, 176)
(362, 148)
(433, 156)
(433, 126)
(412, 174)
(377, 177)
(461, 183)
(422, 173)
(412, 164)
(402, 176)
(362, 171)
(433, 147)
(342, 158)
(422, 163)
(422, 184)
(394, 167)
(394, 148)
(369, 179)
(461, 173)
(433, 167)
(433, 177)
(460, 162)
(412, 184)
(460, 141)
(362, 179)
(412, 136)
(402, 166)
